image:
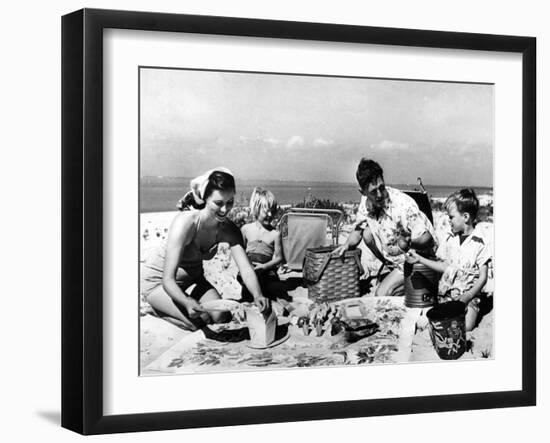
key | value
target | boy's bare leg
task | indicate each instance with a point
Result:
(390, 284)
(472, 312)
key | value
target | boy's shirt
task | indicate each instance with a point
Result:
(400, 211)
(465, 261)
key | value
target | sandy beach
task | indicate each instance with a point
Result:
(166, 349)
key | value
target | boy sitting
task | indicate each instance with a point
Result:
(466, 256)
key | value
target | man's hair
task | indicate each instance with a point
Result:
(262, 199)
(367, 172)
(465, 200)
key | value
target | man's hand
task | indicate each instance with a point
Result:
(340, 250)
(404, 240)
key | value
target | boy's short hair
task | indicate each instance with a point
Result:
(465, 200)
(367, 172)
(262, 199)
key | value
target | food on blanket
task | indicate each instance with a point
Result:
(302, 350)
(319, 327)
(303, 324)
(261, 326)
(220, 305)
(336, 326)
(353, 335)
(355, 322)
(350, 317)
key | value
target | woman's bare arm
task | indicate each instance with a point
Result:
(248, 275)
(180, 235)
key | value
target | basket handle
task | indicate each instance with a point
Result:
(326, 259)
(317, 275)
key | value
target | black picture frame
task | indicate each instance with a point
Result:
(82, 218)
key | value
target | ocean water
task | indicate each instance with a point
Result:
(162, 193)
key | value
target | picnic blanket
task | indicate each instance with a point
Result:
(195, 353)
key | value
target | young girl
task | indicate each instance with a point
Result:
(264, 247)
(193, 237)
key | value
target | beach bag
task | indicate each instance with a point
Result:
(329, 278)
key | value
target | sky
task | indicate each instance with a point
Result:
(313, 128)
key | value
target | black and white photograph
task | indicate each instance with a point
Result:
(272, 222)
(291, 221)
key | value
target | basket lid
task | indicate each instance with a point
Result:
(312, 276)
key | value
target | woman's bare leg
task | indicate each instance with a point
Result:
(217, 317)
(161, 302)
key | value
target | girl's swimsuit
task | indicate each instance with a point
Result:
(190, 269)
(259, 251)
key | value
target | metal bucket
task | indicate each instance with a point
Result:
(420, 285)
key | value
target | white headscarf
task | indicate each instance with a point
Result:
(198, 184)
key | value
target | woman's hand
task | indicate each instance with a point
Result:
(194, 309)
(262, 303)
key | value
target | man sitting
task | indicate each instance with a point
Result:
(390, 223)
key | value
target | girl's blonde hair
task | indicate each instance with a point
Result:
(262, 199)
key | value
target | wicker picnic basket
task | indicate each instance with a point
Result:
(332, 278)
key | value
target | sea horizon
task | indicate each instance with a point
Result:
(161, 193)
(353, 182)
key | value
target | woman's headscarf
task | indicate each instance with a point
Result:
(198, 187)
(198, 184)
